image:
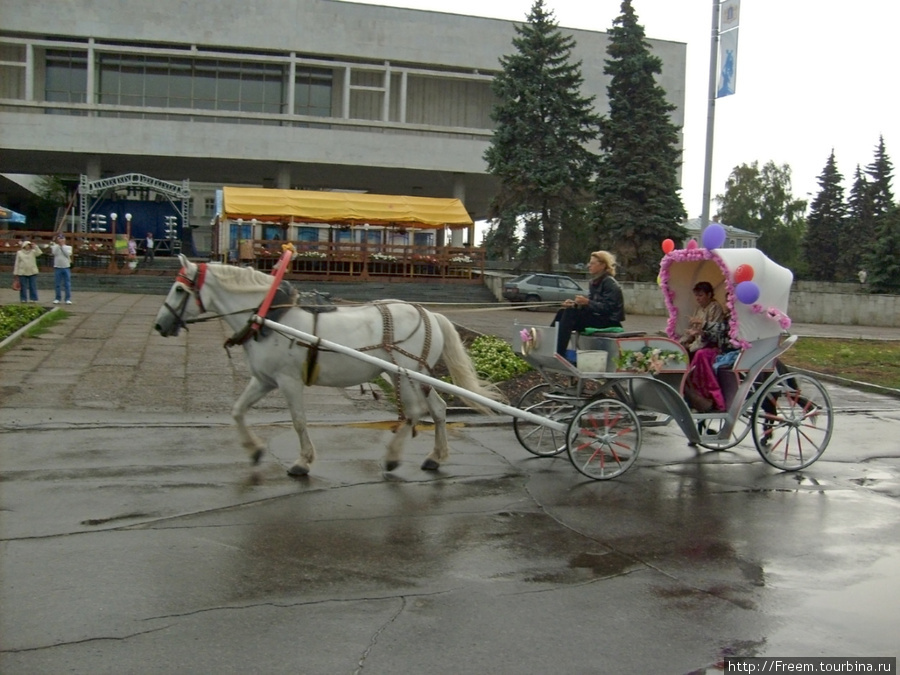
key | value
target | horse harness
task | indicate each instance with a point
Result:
(310, 370)
(193, 285)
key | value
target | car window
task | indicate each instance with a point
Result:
(543, 280)
(569, 284)
(518, 279)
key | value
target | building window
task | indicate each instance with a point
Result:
(209, 207)
(307, 234)
(201, 84)
(66, 78)
(312, 92)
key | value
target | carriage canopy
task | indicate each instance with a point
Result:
(311, 206)
(756, 310)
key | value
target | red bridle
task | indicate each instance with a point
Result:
(195, 284)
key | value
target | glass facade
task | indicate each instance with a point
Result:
(66, 77)
(140, 80)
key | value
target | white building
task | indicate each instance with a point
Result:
(735, 237)
(310, 94)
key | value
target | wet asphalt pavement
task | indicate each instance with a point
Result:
(135, 536)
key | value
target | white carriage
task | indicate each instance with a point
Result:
(624, 381)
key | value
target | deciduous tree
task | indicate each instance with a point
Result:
(760, 200)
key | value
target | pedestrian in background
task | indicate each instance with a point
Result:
(62, 274)
(148, 248)
(26, 269)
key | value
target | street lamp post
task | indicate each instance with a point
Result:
(113, 266)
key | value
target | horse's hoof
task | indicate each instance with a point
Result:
(256, 456)
(298, 471)
(390, 466)
(430, 465)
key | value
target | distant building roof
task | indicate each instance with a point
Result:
(692, 225)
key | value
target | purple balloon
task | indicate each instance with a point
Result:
(713, 236)
(747, 292)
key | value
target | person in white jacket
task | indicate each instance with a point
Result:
(62, 274)
(26, 269)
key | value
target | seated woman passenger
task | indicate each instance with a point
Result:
(602, 307)
(707, 329)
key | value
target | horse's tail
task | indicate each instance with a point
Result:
(462, 372)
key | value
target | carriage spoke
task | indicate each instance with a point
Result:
(604, 439)
(792, 421)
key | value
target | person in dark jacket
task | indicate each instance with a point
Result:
(603, 307)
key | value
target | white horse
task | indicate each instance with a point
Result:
(394, 331)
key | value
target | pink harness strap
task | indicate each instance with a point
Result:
(277, 274)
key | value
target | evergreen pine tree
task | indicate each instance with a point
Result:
(880, 171)
(501, 241)
(539, 149)
(824, 224)
(859, 232)
(881, 257)
(637, 200)
(884, 260)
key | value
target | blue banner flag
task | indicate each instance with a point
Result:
(729, 19)
(727, 63)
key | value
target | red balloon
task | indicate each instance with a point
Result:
(743, 273)
(668, 246)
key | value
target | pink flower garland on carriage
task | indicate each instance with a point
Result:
(732, 283)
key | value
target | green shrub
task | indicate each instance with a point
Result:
(14, 317)
(495, 360)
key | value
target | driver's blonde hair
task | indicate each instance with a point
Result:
(608, 259)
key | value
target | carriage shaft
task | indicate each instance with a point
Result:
(413, 375)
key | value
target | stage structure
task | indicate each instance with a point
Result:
(102, 206)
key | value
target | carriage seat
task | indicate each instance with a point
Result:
(614, 331)
(730, 375)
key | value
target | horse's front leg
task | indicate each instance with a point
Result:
(252, 393)
(292, 390)
(438, 409)
(395, 447)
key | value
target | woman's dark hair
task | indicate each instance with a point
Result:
(703, 286)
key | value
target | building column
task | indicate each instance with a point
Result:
(93, 168)
(459, 192)
(283, 179)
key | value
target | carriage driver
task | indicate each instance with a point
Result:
(603, 307)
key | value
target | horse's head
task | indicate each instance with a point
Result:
(183, 302)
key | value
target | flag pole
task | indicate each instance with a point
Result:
(710, 118)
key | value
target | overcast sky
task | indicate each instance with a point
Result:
(812, 76)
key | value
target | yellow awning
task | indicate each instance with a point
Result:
(308, 206)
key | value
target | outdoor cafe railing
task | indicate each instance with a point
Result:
(108, 253)
(344, 259)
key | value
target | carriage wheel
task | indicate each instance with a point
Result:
(536, 394)
(604, 439)
(538, 439)
(792, 421)
(740, 430)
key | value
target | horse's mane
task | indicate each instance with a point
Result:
(240, 279)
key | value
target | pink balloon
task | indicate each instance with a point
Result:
(668, 246)
(692, 244)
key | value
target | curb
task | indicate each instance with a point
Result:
(24, 329)
(852, 384)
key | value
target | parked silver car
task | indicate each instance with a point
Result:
(539, 287)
